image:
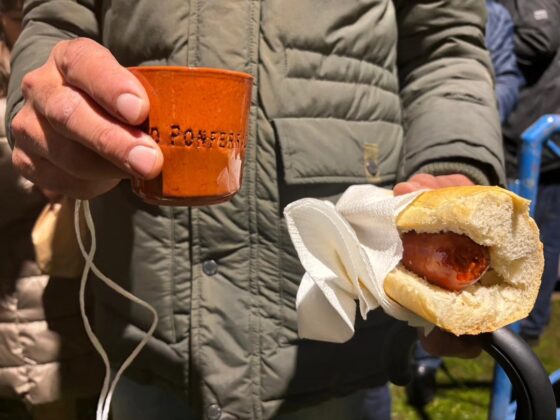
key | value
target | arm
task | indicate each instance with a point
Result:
(500, 43)
(73, 109)
(450, 116)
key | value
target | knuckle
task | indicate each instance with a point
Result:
(70, 52)
(104, 139)
(29, 83)
(23, 163)
(20, 127)
(62, 106)
(75, 53)
(39, 172)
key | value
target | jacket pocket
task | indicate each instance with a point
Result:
(337, 151)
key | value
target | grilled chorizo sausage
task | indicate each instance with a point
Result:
(446, 259)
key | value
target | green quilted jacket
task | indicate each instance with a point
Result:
(345, 92)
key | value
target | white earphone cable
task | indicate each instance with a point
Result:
(108, 389)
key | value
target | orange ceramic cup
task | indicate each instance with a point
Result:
(199, 118)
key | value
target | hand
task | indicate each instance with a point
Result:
(426, 181)
(439, 342)
(75, 134)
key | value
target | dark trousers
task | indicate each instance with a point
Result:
(135, 401)
(377, 403)
(547, 216)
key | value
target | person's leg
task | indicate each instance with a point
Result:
(421, 356)
(377, 403)
(133, 401)
(547, 216)
(421, 389)
(348, 408)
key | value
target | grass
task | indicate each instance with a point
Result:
(471, 401)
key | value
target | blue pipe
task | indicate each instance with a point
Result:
(554, 147)
(532, 141)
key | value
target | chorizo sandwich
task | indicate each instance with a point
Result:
(472, 259)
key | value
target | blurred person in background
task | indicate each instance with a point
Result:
(537, 45)
(48, 369)
(501, 45)
(500, 42)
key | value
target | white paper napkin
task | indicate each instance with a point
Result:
(347, 250)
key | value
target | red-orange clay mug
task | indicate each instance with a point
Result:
(199, 118)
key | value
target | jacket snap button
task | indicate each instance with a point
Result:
(372, 167)
(214, 412)
(210, 267)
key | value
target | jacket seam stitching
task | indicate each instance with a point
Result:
(381, 120)
(337, 178)
(348, 57)
(344, 82)
(253, 268)
(198, 25)
(172, 262)
(196, 297)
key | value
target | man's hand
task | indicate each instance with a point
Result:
(426, 181)
(75, 134)
(441, 343)
(438, 342)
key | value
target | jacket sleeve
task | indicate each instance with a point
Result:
(449, 106)
(500, 43)
(46, 22)
(537, 37)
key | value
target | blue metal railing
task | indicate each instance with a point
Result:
(533, 141)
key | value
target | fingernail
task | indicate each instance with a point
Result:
(129, 106)
(142, 159)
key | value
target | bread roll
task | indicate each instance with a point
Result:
(492, 217)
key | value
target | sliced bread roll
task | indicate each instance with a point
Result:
(492, 217)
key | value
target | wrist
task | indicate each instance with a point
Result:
(472, 172)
